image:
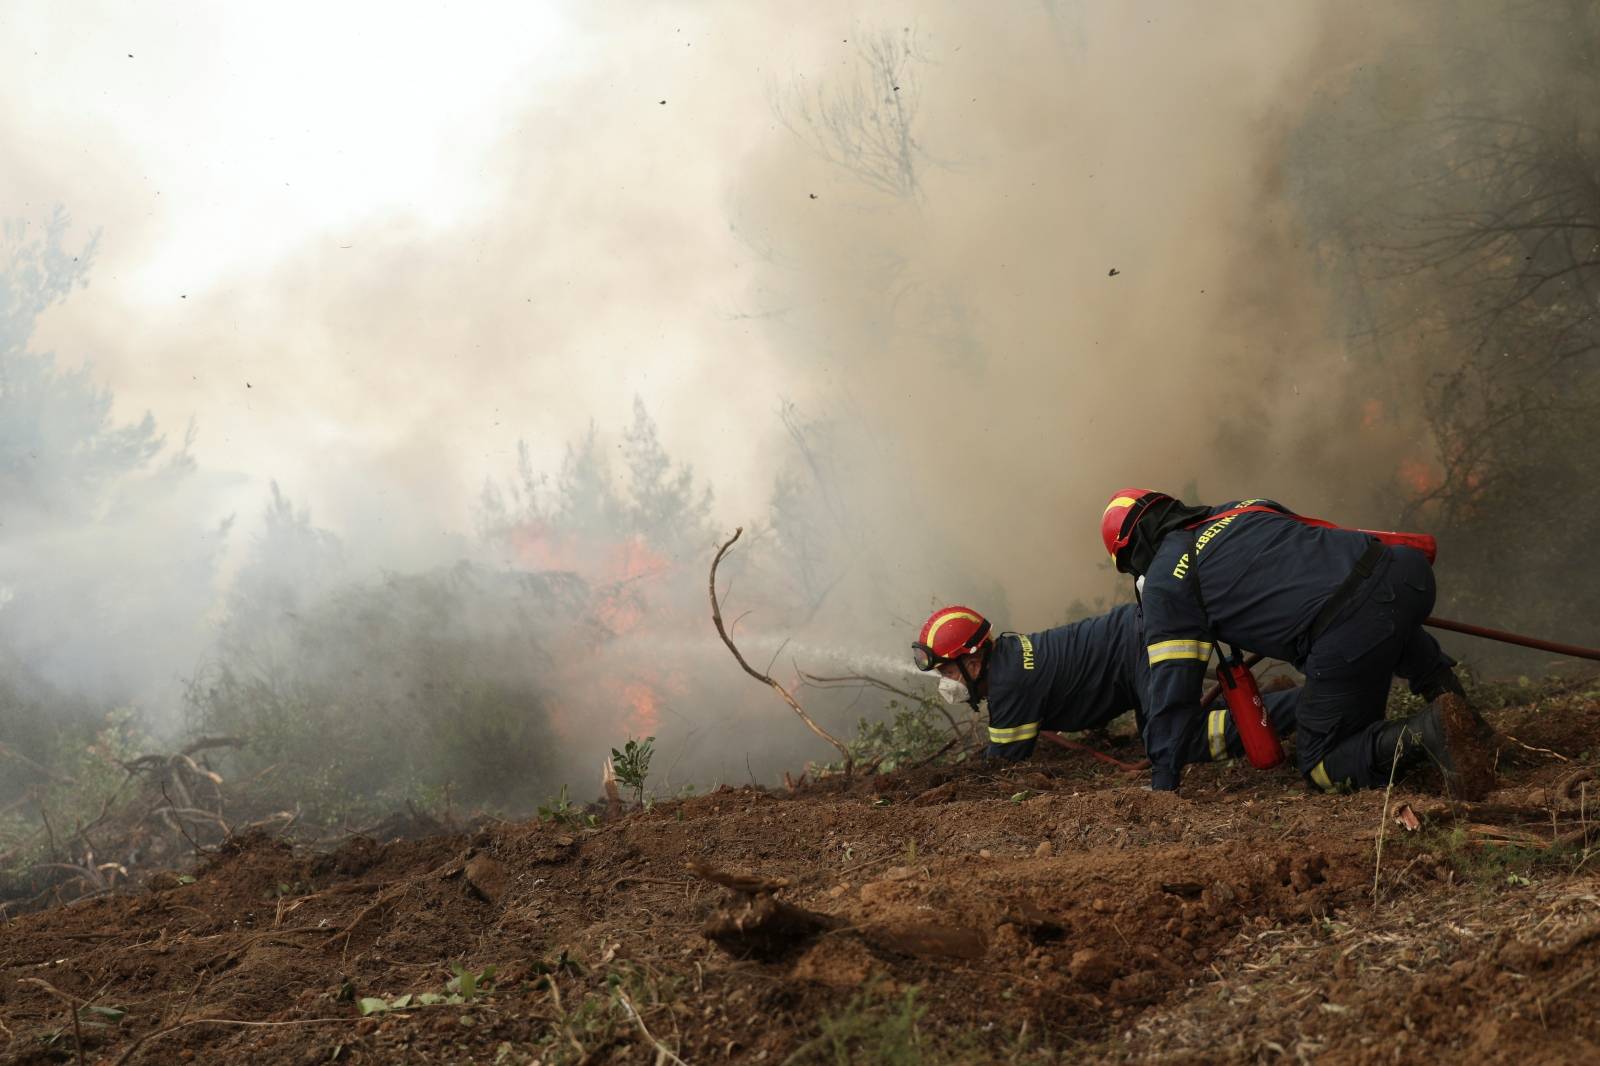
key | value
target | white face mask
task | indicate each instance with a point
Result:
(952, 690)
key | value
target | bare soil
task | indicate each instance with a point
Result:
(1055, 909)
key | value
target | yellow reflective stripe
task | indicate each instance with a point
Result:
(1013, 734)
(1179, 649)
(1216, 732)
(948, 616)
(1319, 777)
(1120, 501)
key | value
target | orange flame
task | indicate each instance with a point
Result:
(603, 696)
(615, 570)
(1419, 475)
(644, 716)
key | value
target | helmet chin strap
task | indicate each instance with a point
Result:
(971, 680)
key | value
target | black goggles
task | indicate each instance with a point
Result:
(926, 658)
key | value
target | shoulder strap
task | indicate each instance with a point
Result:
(1261, 508)
(1194, 571)
(1422, 542)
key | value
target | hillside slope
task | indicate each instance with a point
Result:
(943, 914)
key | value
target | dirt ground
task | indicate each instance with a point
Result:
(940, 915)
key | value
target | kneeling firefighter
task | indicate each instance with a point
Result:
(1071, 678)
(1344, 606)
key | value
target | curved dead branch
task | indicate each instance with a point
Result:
(716, 619)
(820, 681)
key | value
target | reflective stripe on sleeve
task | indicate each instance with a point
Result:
(1319, 777)
(1168, 650)
(1216, 733)
(1017, 732)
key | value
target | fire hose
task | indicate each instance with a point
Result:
(1575, 650)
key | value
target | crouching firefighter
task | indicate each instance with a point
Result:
(1074, 677)
(1345, 606)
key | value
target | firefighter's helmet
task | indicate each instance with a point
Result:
(1122, 513)
(947, 635)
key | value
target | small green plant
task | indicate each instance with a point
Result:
(368, 1005)
(92, 1025)
(918, 732)
(632, 764)
(468, 984)
(461, 989)
(1498, 863)
(561, 809)
(593, 1020)
(872, 1027)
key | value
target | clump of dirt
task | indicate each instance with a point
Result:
(972, 913)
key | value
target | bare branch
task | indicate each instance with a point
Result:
(716, 619)
(42, 771)
(199, 744)
(818, 681)
(865, 127)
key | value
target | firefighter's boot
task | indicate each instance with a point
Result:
(1450, 736)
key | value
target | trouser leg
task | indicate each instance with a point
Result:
(1349, 671)
(1341, 721)
(1430, 672)
(1422, 662)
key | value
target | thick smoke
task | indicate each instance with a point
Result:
(912, 289)
(1092, 283)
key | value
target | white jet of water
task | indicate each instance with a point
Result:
(760, 649)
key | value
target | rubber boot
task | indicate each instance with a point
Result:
(1452, 737)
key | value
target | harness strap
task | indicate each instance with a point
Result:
(1347, 588)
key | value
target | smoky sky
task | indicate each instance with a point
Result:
(1096, 282)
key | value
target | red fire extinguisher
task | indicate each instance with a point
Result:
(1261, 745)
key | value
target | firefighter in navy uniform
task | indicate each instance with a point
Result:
(1074, 677)
(1341, 605)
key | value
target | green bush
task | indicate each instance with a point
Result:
(414, 688)
(916, 732)
(85, 775)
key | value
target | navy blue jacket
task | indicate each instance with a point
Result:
(1255, 581)
(1073, 677)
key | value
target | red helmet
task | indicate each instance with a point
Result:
(1117, 522)
(948, 634)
